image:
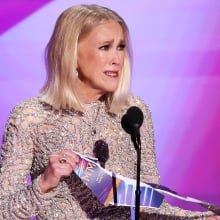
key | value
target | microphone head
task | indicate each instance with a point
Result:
(132, 120)
(135, 116)
(124, 123)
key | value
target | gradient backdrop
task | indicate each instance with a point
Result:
(176, 48)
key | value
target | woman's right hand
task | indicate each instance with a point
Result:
(60, 165)
(214, 217)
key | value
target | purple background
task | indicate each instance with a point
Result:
(176, 47)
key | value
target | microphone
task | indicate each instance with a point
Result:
(132, 121)
(101, 152)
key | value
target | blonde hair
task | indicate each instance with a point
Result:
(61, 58)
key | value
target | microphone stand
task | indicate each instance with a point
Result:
(137, 144)
(131, 122)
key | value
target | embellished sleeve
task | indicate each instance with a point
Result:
(149, 172)
(18, 200)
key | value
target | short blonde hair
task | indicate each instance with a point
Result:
(61, 58)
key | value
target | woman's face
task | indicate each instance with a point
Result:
(100, 60)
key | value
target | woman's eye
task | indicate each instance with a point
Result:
(105, 47)
(121, 47)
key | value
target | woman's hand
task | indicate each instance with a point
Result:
(214, 217)
(60, 165)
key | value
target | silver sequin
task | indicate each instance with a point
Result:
(34, 131)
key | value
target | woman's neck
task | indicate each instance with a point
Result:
(88, 95)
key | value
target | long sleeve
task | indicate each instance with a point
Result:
(149, 173)
(35, 131)
(17, 199)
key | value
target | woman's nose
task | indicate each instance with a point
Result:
(116, 58)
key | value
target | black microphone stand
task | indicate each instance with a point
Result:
(137, 144)
(131, 122)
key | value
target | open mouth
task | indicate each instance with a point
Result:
(111, 74)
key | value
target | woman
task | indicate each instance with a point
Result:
(82, 101)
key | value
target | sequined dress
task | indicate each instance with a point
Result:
(35, 130)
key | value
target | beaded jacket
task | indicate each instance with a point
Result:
(35, 130)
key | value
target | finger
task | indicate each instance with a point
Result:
(65, 157)
(72, 155)
(67, 162)
(69, 157)
(73, 159)
(61, 169)
(56, 161)
(54, 157)
(66, 152)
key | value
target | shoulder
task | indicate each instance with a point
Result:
(26, 105)
(134, 100)
(26, 109)
(141, 104)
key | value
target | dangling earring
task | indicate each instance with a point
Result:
(76, 73)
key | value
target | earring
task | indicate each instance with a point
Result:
(76, 73)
